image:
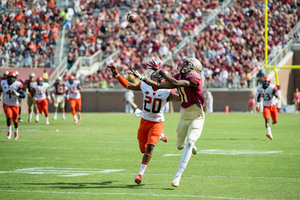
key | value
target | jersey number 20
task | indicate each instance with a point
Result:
(154, 109)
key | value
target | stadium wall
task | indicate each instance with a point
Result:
(113, 101)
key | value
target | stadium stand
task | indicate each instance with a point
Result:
(28, 33)
(234, 42)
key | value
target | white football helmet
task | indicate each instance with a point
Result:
(192, 64)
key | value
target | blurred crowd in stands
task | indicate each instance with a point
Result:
(231, 48)
(28, 33)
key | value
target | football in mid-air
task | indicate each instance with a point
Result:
(132, 17)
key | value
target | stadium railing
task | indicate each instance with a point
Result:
(59, 71)
(96, 64)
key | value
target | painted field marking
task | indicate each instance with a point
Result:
(229, 152)
(62, 172)
(132, 194)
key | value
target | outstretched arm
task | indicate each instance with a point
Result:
(125, 83)
(170, 79)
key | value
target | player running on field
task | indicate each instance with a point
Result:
(11, 89)
(30, 101)
(20, 99)
(74, 97)
(189, 86)
(268, 93)
(40, 95)
(152, 120)
(58, 93)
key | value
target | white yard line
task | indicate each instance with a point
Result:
(131, 194)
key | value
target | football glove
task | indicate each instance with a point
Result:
(114, 70)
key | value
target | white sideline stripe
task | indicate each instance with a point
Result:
(131, 194)
(229, 152)
(217, 176)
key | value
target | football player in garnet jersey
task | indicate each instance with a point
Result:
(30, 101)
(189, 86)
(11, 89)
(152, 121)
(268, 93)
(58, 93)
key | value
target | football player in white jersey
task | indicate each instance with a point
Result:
(40, 95)
(268, 93)
(152, 122)
(11, 89)
(74, 97)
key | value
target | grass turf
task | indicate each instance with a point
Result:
(235, 160)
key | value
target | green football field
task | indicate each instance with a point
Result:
(99, 159)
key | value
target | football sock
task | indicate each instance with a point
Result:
(55, 114)
(143, 168)
(37, 117)
(16, 130)
(47, 119)
(30, 116)
(162, 135)
(269, 129)
(75, 117)
(9, 129)
(63, 115)
(185, 157)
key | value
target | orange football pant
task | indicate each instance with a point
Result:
(42, 106)
(11, 112)
(270, 112)
(75, 103)
(149, 133)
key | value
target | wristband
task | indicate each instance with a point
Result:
(17, 94)
(117, 75)
(49, 97)
(161, 72)
(257, 105)
(53, 95)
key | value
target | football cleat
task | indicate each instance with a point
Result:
(194, 150)
(55, 118)
(269, 135)
(176, 181)
(20, 120)
(8, 135)
(47, 123)
(75, 122)
(63, 118)
(138, 179)
(16, 136)
(79, 116)
(164, 139)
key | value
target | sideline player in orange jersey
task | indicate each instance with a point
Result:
(40, 95)
(11, 89)
(74, 97)
(30, 101)
(268, 93)
(152, 122)
(189, 86)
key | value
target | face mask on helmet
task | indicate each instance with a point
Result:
(156, 77)
(190, 64)
(11, 80)
(265, 84)
(40, 82)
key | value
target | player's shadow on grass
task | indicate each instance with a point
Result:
(104, 184)
(229, 139)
